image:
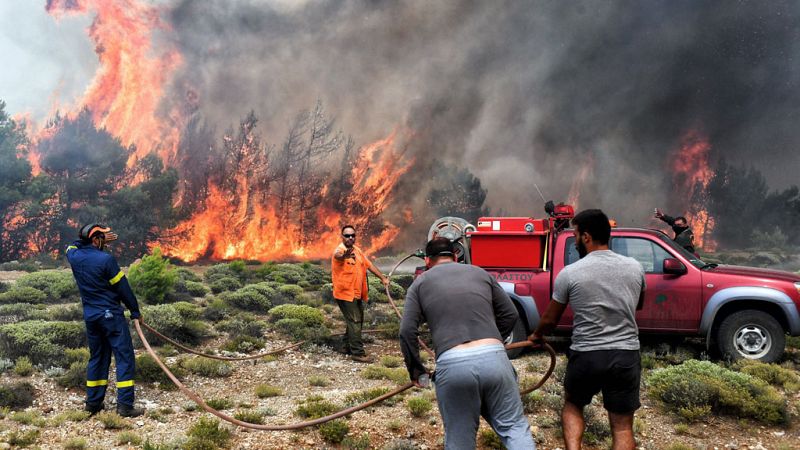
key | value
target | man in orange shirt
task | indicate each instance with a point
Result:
(349, 275)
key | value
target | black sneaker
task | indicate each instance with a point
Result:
(93, 408)
(129, 411)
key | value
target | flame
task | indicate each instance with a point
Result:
(125, 95)
(691, 175)
(244, 223)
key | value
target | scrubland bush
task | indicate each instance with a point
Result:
(184, 274)
(74, 376)
(692, 386)
(153, 278)
(249, 416)
(62, 313)
(23, 294)
(56, 285)
(17, 312)
(207, 433)
(43, 342)
(287, 293)
(196, 289)
(326, 291)
(489, 439)
(334, 431)
(148, 371)
(75, 443)
(16, 395)
(22, 439)
(129, 438)
(401, 444)
(217, 310)
(315, 407)
(366, 395)
(225, 284)
(205, 367)
(237, 270)
(6, 365)
(771, 373)
(112, 420)
(176, 321)
(243, 344)
(247, 298)
(398, 375)
(30, 417)
(318, 380)
(377, 293)
(266, 391)
(243, 324)
(361, 442)
(391, 361)
(419, 406)
(307, 315)
(220, 403)
(23, 366)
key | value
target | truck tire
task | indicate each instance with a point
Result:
(517, 335)
(751, 334)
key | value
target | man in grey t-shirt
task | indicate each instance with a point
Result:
(604, 289)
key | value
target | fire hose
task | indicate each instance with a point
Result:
(295, 426)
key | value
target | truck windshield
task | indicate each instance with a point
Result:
(697, 262)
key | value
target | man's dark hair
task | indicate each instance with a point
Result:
(595, 222)
(348, 226)
(683, 219)
(439, 246)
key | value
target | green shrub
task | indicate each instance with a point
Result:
(216, 310)
(196, 289)
(225, 284)
(326, 291)
(299, 331)
(288, 293)
(43, 342)
(391, 361)
(229, 270)
(334, 431)
(28, 418)
(16, 395)
(694, 384)
(281, 273)
(316, 407)
(248, 299)
(209, 430)
(249, 416)
(75, 443)
(309, 316)
(319, 381)
(75, 376)
(62, 313)
(377, 293)
(266, 391)
(398, 375)
(153, 278)
(23, 294)
(17, 312)
(184, 274)
(168, 319)
(220, 403)
(23, 366)
(112, 420)
(148, 371)
(419, 406)
(401, 444)
(403, 280)
(207, 367)
(362, 442)
(489, 439)
(129, 438)
(22, 266)
(243, 344)
(243, 324)
(22, 439)
(356, 398)
(80, 354)
(771, 373)
(56, 285)
(71, 416)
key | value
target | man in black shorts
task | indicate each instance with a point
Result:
(605, 289)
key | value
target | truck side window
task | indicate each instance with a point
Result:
(650, 255)
(570, 252)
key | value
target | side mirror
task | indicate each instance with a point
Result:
(673, 266)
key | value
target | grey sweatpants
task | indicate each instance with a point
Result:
(475, 382)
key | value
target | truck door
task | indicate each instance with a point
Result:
(672, 303)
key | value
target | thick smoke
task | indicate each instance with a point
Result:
(517, 92)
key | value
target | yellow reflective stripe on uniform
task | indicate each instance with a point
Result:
(72, 247)
(122, 384)
(118, 277)
(95, 383)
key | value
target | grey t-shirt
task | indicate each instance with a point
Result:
(603, 289)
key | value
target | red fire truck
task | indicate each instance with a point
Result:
(742, 312)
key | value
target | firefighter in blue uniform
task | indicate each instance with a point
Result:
(102, 286)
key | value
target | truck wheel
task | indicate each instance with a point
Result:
(751, 334)
(517, 335)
